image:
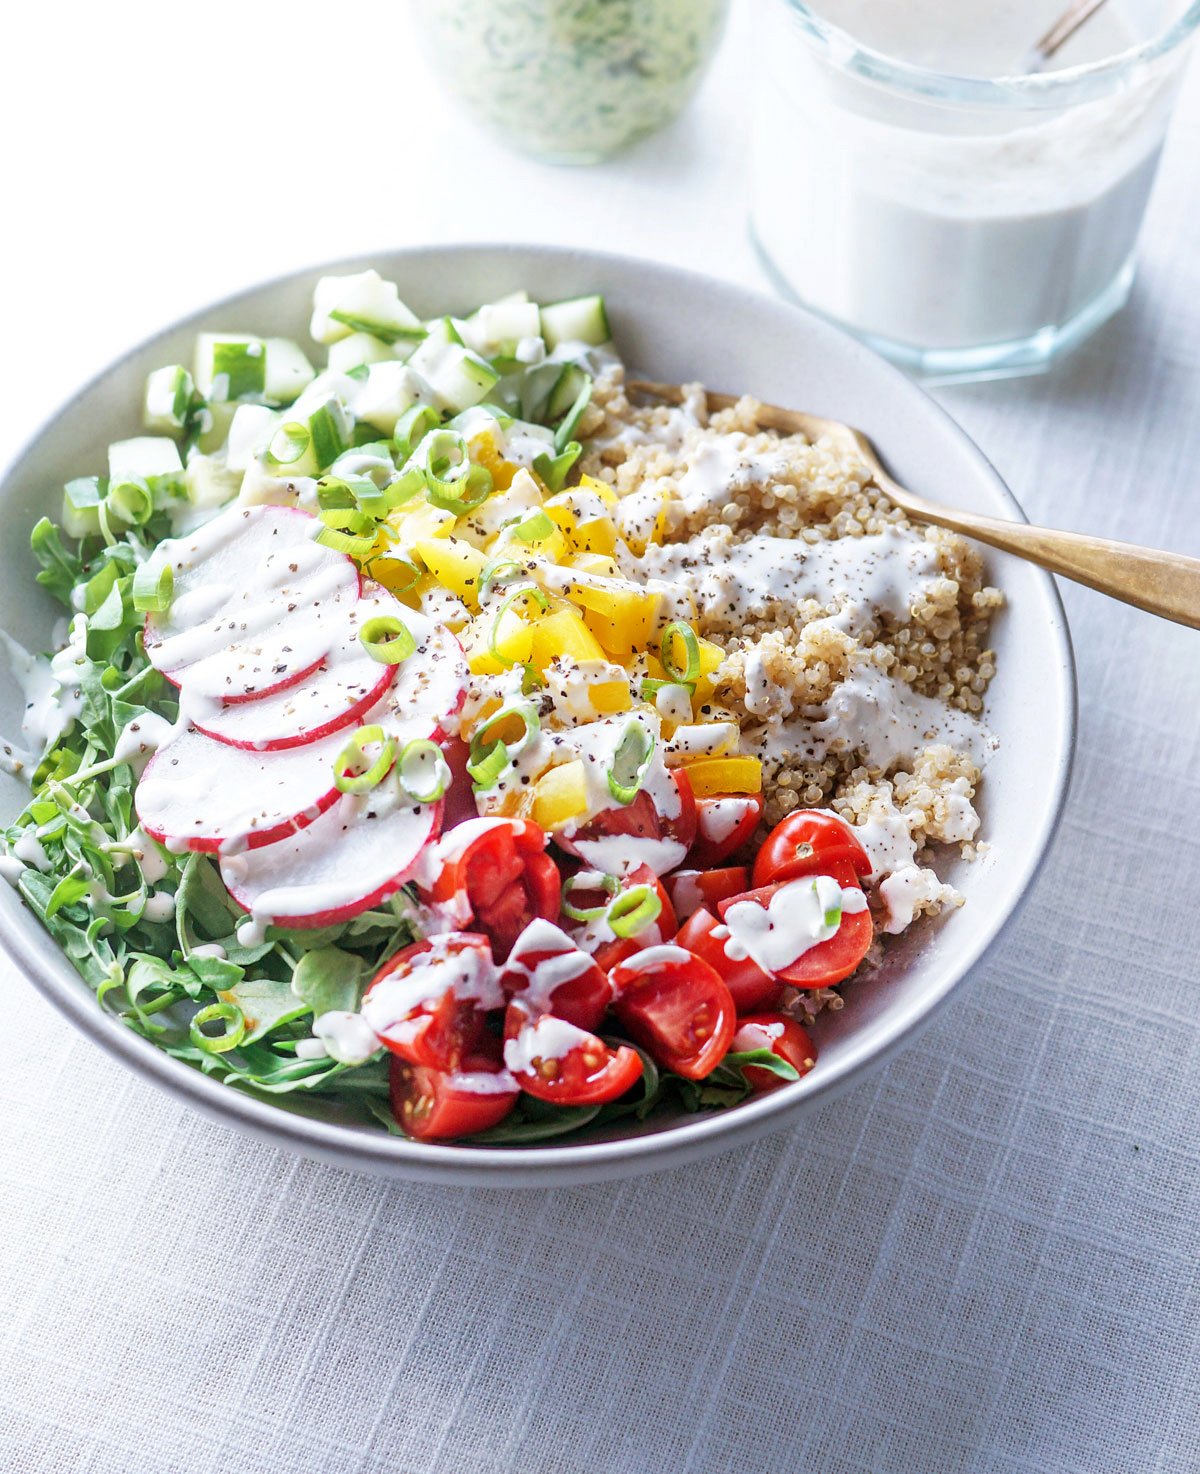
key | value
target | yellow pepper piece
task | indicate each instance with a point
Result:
(552, 546)
(512, 645)
(394, 571)
(560, 795)
(602, 489)
(418, 520)
(716, 775)
(595, 563)
(582, 517)
(563, 633)
(484, 453)
(641, 519)
(711, 656)
(620, 615)
(610, 696)
(456, 565)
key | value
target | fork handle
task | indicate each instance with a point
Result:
(1167, 584)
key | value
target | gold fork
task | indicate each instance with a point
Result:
(1167, 584)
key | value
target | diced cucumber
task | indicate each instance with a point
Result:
(288, 371)
(250, 432)
(81, 506)
(356, 350)
(214, 422)
(361, 303)
(498, 329)
(143, 457)
(168, 401)
(535, 386)
(230, 366)
(578, 320)
(209, 482)
(571, 382)
(389, 389)
(457, 377)
(307, 446)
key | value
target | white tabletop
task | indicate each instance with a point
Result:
(984, 1259)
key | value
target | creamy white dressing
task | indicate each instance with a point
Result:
(799, 916)
(539, 980)
(703, 739)
(718, 819)
(346, 1037)
(716, 469)
(907, 889)
(887, 839)
(51, 696)
(462, 971)
(482, 1082)
(160, 906)
(544, 1039)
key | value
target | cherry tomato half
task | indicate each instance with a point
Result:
(554, 1061)
(434, 1105)
(641, 821)
(804, 844)
(691, 889)
(551, 974)
(427, 1002)
(749, 986)
(828, 962)
(782, 1036)
(458, 802)
(677, 1007)
(616, 949)
(505, 878)
(724, 823)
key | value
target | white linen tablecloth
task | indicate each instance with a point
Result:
(983, 1259)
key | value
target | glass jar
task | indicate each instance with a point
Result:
(963, 226)
(572, 81)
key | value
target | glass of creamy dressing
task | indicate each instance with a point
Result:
(912, 181)
(572, 81)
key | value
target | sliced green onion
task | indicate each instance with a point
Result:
(131, 501)
(534, 529)
(554, 470)
(228, 1014)
(288, 445)
(408, 484)
(833, 917)
(423, 759)
(354, 754)
(634, 910)
(153, 588)
(352, 544)
(570, 422)
(630, 761)
(452, 483)
(685, 675)
(497, 569)
(587, 881)
(651, 686)
(412, 427)
(387, 639)
(394, 565)
(528, 591)
(490, 756)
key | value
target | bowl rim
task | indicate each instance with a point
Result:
(539, 1165)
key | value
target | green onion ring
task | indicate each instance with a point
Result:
(690, 673)
(131, 501)
(630, 761)
(289, 444)
(412, 755)
(412, 427)
(497, 570)
(534, 529)
(345, 542)
(586, 881)
(227, 1013)
(528, 591)
(634, 910)
(354, 754)
(153, 588)
(387, 639)
(488, 759)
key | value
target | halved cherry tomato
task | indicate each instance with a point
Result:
(782, 1036)
(458, 802)
(804, 844)
(505, 878)
(550, 973)
(724, 823)
(615, 950)
(749, 986)
(677, 1007)
(451, 981)
(641, 820)
(436, 1105)
(553, 1060)
(691, 889)
(828, 962)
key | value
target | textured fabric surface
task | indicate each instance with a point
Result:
(983, 1259)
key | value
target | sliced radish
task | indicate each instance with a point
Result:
(200, 794)
(256, 605)
(335, 695)
(354, 856)
(432, 683)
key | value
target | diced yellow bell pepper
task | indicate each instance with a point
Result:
(610, 696)
(711, 657)
(641, 518)
(595, 563)
(560, 795)
(541, 539)
(456, 565)
(620, 614)
(602, 489)
(484, 453)
(563, 633)
(716, 775)
(394, 571)
(496, 645)
(418, 520)
(581, 515)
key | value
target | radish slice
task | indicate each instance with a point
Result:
(354, 856)
(199, 794)
(349, 683)
(257, 604)
(432, 684)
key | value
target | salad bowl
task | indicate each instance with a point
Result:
(679, 327)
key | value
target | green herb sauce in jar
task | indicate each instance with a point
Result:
(572, 80)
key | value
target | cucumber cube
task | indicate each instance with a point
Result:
(143, 458)
(356, 350)
(578, 320)
(361, 303)
(288, 373)
(230, 366)
(168, 401)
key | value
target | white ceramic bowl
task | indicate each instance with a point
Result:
(675, 326)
